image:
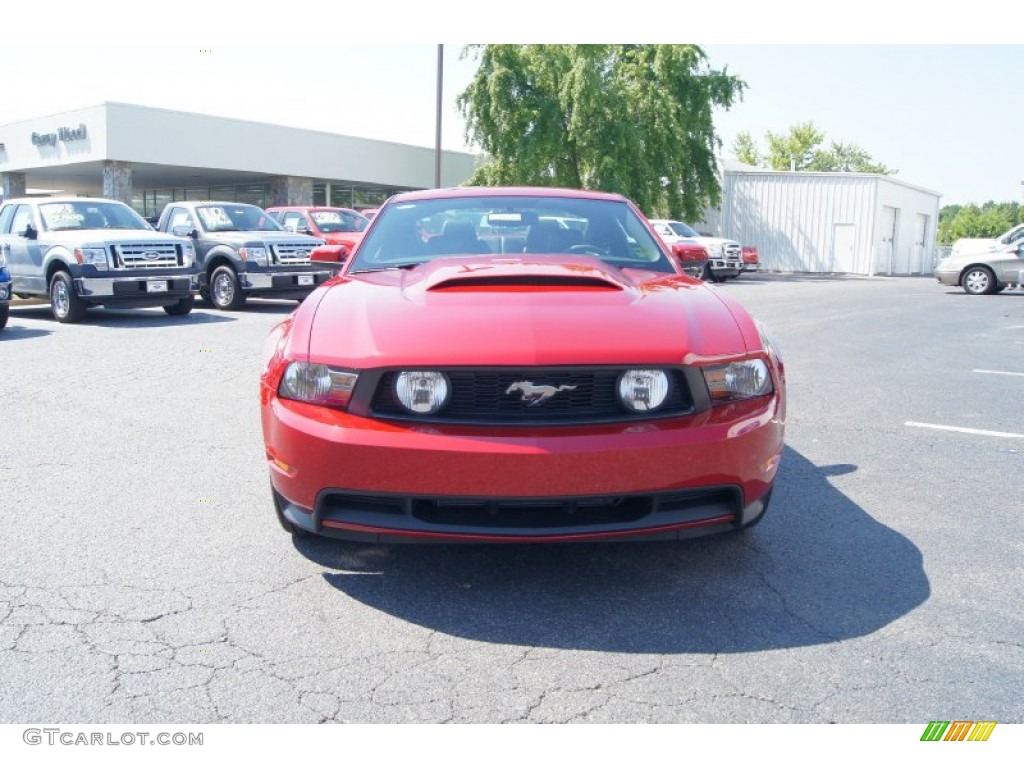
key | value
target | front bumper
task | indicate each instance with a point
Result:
(948, 278)
(726, 267)
(299, 279)
(137, 287)
(350, 477)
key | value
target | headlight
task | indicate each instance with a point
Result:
(256, 255)
(643, 389)
(318, 384)
(716, 250)
(188, 255)
(422, 392)
(738, 381)
(94, 256)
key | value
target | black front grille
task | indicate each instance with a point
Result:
(580, 396)
(469, 514)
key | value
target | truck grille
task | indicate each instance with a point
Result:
(146, 255)
(481, 397)
(734, 252)
(292, 253)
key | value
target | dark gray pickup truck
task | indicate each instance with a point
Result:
(242, 251)
(81, 252)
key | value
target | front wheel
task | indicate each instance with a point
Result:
(182, 307)
(65, 304)
(225, 290)
(978, 281)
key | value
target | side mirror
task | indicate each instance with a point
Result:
(29, 233)
(183, 231)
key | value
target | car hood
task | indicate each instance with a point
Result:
(967, 245)
(343, 238)
(79, 237)
(501, 311)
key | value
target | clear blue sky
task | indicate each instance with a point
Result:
(948, 117)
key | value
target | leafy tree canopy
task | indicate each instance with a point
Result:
(989, 220)
(632, 119)
(801, 150)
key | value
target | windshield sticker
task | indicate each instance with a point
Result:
(214, 217)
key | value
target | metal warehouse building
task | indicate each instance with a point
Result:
(854, 223)
(148, 157)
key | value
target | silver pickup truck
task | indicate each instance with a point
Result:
(82, 252)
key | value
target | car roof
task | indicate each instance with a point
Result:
(307, 208)
(461, 192)
(62, 200)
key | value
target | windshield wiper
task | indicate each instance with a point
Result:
(404, 265)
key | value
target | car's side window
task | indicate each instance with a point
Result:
(22, 219)
(6, 214)
(294, 221)
(180, 217)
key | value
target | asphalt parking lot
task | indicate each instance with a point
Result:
(145, 579)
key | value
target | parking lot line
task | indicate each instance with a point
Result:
(998, 373)
(965, 430)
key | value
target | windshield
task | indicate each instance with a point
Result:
(339, 220)
(416, 232)
(236, 217)
(59, 217)
(681, 229)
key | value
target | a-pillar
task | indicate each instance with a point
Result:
(12, 185)
(117, 181)
(291, 190)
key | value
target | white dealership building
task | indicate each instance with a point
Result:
(148, 157)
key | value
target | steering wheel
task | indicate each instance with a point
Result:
(589, 249)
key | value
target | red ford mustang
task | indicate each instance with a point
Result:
(514, 364)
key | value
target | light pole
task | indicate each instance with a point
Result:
(437, 136)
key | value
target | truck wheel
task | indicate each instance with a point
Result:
(706, 274)
(225, 292)
(182, 307)
(65, 304)
(5, 310)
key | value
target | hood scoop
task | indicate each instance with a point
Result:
(525, 282)
(519, 275)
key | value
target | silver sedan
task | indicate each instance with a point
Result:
(987, 272)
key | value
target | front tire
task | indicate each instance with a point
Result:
(978, 281)
(65, 304)
(225, 290)
(180, 308)
(5, 310)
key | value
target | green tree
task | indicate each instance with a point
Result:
(988, 220)
(745, 149)
(801, 150)
(795, 150)
(633, 119)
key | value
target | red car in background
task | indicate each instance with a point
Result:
(751, 259)
(692, 256)
(541, 370)
(337, 226)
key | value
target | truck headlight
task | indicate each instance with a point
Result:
(257, 255)
(95, 256)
